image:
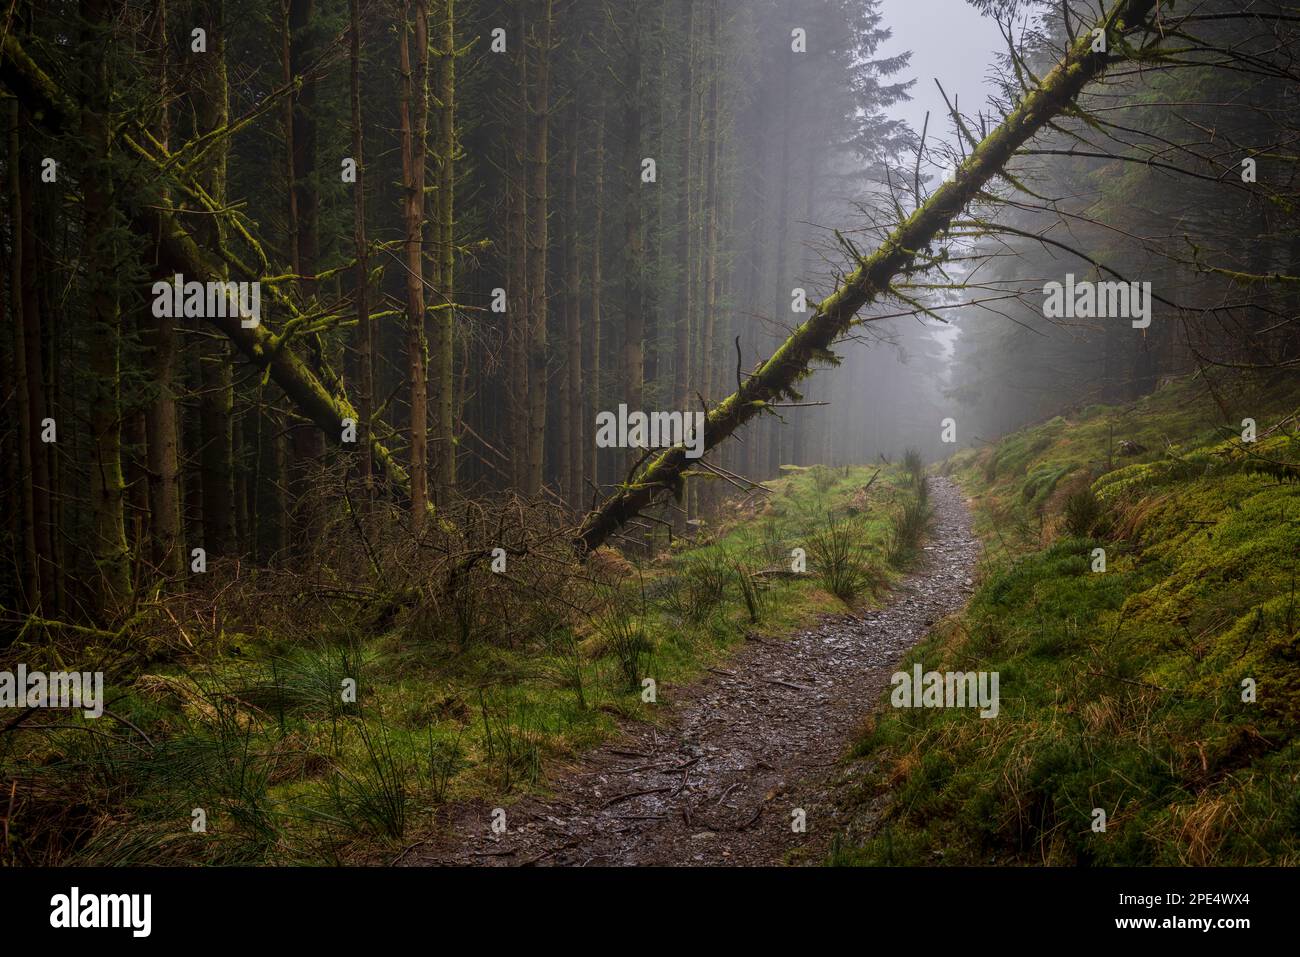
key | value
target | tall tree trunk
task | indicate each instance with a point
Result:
(414, 120)
(709, 316)
(209, 97)
(38, 393)
(216, 457)
(633, 365)
(565, 425)
(685, 329)
(365, 341)
(538, 244)
(290, 152)
(108, 545)
(166, 539)
(302, 51)
(240, 461)
(594, 396)
(518, 331)
(573, 324)
(308, 444)
(697, 211)
(28, 427)
(781, 239)
(801, 419)
(444, 354)
(282, 453)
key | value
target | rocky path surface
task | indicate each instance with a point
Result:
(746, 748)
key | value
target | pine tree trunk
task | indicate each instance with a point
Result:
(162, 435)
(518, 331)
(781, 239)
(444, 356)
(28, 427)
(538, 245)
(709, 315)
(801, 420)
(38, 393)
(633, 365)
(108, 543)
(573, 401)
(365, 336)
(209, 98)
(594, 396)
(308, 444)
(414, 120)
(685, 303)
(302, 50)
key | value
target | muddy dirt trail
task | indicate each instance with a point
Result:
(744, 748)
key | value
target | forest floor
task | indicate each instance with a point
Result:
(745, 750)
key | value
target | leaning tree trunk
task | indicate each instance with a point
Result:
(775, 378)
(173, 250)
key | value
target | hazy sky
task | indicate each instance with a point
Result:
(949, 40)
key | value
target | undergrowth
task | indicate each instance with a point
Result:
(263, 716)
(1126, 689)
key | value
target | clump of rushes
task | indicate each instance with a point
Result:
(913, 519)
(841, 559)
(751, 590)
(914, 465)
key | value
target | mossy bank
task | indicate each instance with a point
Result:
(1139, 602)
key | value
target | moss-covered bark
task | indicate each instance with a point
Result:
(174, 250)
(775, 377)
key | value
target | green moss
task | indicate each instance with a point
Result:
(1120, 690)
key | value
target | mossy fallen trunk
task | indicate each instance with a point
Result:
(173, 250)
(776, 377)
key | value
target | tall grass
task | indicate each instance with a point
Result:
(752, 591)
(512, 733)
(914, 465)
(841, 559)
(375, 795)
(621, 624)
(909, 525)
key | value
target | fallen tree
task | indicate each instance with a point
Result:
(1126, 29)
(172, 250)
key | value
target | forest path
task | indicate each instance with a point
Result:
(743, 749)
